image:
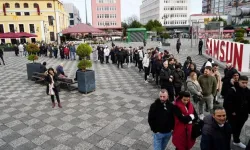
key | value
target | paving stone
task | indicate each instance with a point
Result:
(94, 139)
(105, 144)
(115, 137)
(41, 139)
(127, 141)
(18, 142)
(119, 147)
(84, 146)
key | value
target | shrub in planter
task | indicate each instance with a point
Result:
(32, 49)
(85, 78)
(238, 39)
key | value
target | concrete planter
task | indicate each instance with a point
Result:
(31, 68)
(86, 81)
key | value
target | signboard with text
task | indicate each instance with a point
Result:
(229, 52)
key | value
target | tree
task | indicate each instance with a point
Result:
(135, 24)
(131, 19)
(246, 22)
(124, 28)
(155, 25)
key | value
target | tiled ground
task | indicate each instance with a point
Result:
(114, 117)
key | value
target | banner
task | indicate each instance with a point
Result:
(229, 52)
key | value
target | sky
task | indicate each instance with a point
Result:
(129, 8)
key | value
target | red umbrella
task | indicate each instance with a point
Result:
(4, 9)
(25, 35)
(8, 35)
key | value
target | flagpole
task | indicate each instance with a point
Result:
(86, 12)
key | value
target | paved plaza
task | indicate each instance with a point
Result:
(114, 117)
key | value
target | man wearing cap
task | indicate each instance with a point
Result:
(237, 105)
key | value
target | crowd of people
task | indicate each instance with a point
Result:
(65, 51)
(186, 93)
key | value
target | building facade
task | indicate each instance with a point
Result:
(206, 6)
(173, 14)
(74, 14)
(106, 14)
(44, 18)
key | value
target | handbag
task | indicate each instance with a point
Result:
(197, 98)
(197, 128)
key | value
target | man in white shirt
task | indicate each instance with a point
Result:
(106, 54)
(21, 49)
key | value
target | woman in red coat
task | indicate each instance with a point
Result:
(184, 114)
(66, 52)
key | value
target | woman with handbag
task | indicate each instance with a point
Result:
(185, 115)
(53, 87)
(194, 87)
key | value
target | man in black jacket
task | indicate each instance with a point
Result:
(200, 46)
(237, 105)
(216, 132)
(166, 80)
(119, 56)
(1, 56)
(161, 120)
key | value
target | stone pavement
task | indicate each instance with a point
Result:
(114, 117)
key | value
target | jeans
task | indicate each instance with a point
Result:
(73, 55)
(209, 101)
(161, 140)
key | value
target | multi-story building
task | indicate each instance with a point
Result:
(74, 14)
(45, 18)
(106, 14)
(206, 6)
(173, 14)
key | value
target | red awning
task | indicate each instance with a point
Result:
(8, 35)
(81, 28)
(13, 35)
(25, 35)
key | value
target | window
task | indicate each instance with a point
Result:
(36, 5)
(106, 15)
(7, 5)
(1, 28)
(49, 5)
(71, 15)
(25, 5)
(33, 40)
(51, 19)
(11, 27)
(18, 13)
(26, 13)
(71, 22)
(32, 28)
(17, 5)
(21, 28)
(3, 41)
(52, 36)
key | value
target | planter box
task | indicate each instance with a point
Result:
(31, 68)
(165, 44)
(86, 81)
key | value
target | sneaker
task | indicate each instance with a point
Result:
(241, 145)
(201, 116)
(59, 105)
(53, 105)
(216, 102)
(146, 81)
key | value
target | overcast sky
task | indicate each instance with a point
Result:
(129, 8)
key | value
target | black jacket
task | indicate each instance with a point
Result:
(237, 101)
(120, 55)
(248, 145)
(200, 43)
(1, 52)
(214, 137)
(179, 78)
(160, 119)
(164, 77)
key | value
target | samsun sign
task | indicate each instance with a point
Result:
(229, 52)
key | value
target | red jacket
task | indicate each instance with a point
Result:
(66, 51)
(182, 130)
